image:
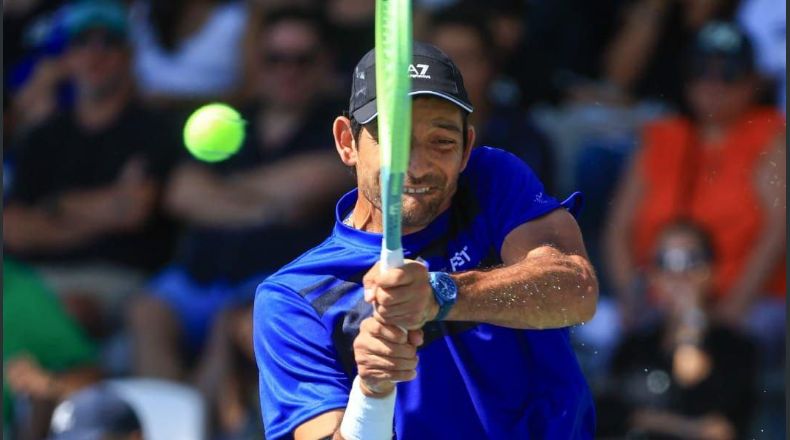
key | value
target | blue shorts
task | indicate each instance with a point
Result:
(197, 304)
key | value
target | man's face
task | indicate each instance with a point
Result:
(681, 273)
(98, 61)
(437, 157)
(292, 65)
(718, 96)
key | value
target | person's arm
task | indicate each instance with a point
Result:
(197, 195)
(629, 53)
(282, 192)
(385, 355)
(299, 185)
(546, 282)
(770, 183)
(293, 347)
(25, 376)
(73, 218)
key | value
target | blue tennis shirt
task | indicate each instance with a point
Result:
(474, 381)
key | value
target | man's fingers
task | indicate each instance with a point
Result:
(387, 375)
(390, 350)
(416, 337)
(382, 331)
(373, 361)
(397, 276)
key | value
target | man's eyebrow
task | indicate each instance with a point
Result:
(447, 125)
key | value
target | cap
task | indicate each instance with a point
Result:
(91, 414)
(104, 14)
(724, 45)
(432, 72)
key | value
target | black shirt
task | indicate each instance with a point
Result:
(234, 254)
(60, 156)
(642, 373)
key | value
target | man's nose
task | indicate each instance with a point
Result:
(419, 162)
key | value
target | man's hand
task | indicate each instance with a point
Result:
(401, 296)
(385, 354)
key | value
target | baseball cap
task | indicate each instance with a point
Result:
(432, 72)
(722, 49)
(83, 15)
(91, 414)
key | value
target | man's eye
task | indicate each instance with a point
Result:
(445, 144)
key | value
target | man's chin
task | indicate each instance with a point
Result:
(416, 214)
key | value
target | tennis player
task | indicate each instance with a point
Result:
(469, 338)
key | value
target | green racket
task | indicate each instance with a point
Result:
(393, 57)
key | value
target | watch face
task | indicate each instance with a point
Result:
(445, 287)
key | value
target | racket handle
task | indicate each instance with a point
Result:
(391, 258)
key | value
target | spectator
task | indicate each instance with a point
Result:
(646, 55)
(461, 35)
(722, 166)
(82, 207)
(46, 355)
(264, 198)
(188, 50)
(95, 413)
(685, 376)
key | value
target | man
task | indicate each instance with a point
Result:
(82, 203)
(495, 270)
(246, 216)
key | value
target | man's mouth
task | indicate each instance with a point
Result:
(416, 190)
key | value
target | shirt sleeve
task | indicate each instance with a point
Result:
(510, 192)
(300, 376)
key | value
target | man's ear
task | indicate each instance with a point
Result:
(470, 144)
(344, 140)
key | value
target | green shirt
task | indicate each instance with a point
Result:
(34, 323)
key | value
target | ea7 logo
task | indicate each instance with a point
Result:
(419, 71)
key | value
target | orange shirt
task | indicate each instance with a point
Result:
(711, 185)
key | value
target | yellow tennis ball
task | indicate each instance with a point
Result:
(214, 132)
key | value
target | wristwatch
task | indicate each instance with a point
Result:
(445, 291)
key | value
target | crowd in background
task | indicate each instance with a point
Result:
(130, 267)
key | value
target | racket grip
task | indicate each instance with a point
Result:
(391, 258)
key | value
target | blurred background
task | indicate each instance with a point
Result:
(129, 267)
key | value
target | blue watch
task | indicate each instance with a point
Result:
(445, 291)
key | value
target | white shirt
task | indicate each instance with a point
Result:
(209, 62)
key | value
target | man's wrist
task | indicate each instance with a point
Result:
(445, 292)
(376, 391)
(367, 417)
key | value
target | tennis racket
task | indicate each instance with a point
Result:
(393, 56)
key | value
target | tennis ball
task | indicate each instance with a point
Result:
(214, 132)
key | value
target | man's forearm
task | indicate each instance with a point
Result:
(544, 292)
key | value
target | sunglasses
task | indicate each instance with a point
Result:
(680, 260)
(104, 40)
(726, 70)
(303, 59)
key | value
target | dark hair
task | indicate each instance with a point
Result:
(694, 229)
(312, 18)
(470, 17)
